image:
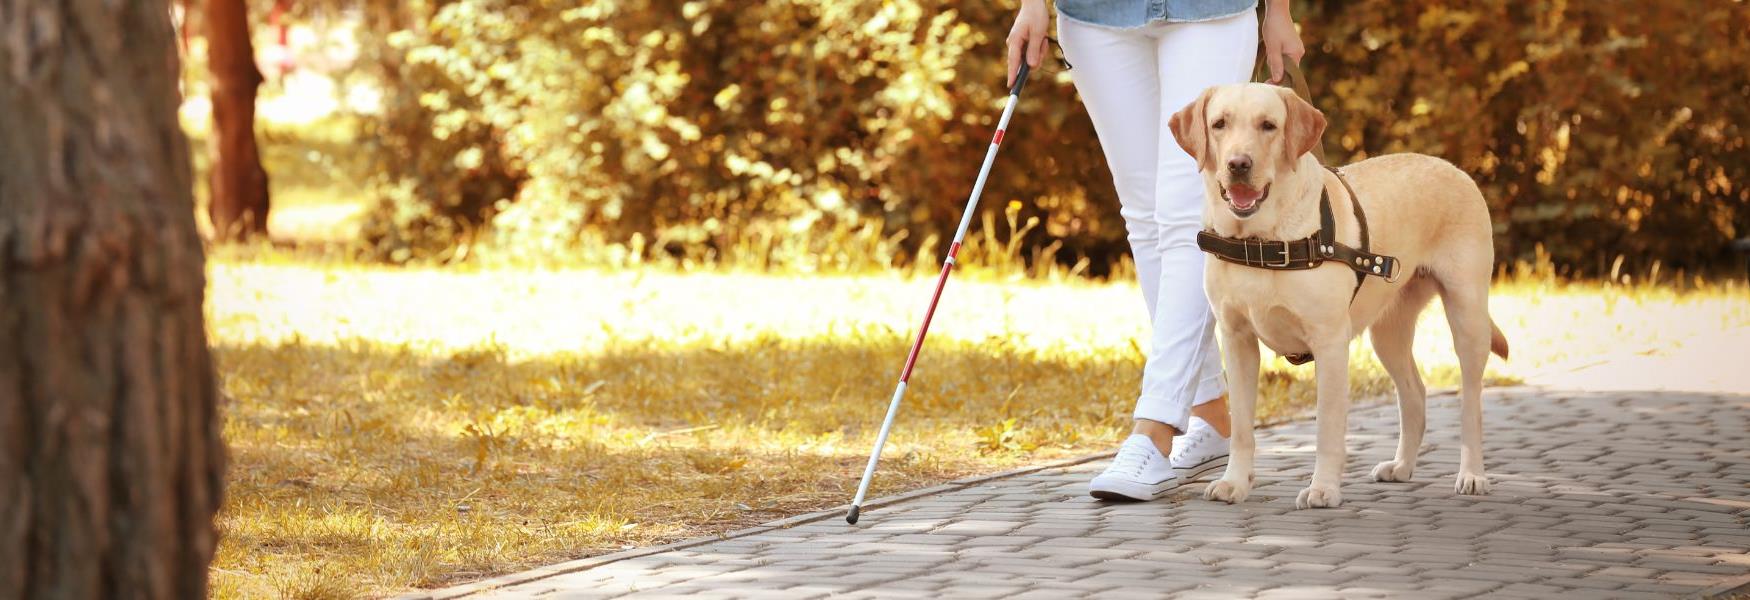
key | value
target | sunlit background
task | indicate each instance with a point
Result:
(543, 280)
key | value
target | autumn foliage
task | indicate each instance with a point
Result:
(714, 128)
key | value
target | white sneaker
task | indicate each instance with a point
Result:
(1200, 452)
(1139, 472)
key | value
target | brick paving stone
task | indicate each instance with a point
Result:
(1592, 498)
(1469, 573)
(580, 595)
(1372, 591)
(1662, 588)
(1296, 593)
(1311, 556)
(1078, 542)
(1131, 565)
(1047, 593)
(1464, 586)
(1168, 553)
(1051, 531)
(1000, 540)
(1688, 579)
(1209, 551)
(978, 591)
(1298, 567)
(1157, 546)
(1248, 563)
(1033, 572)
(1740, 539)
(1088, 554)
(1742, 560)
(1628, 595)
(883, 593)
(1722, 569)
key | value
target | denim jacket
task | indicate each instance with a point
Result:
(1127, 14)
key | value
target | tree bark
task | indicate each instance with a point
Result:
(111, 462)
(239, 201)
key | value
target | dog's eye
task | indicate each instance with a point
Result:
(1219, 123)
(1268, 126)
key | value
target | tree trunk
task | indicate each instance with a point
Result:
(111, 464)
(239, 201)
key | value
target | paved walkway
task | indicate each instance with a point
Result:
(1595, 495)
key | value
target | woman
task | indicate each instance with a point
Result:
(1136, 63)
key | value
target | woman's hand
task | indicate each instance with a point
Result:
(1027, 37)
(1280, 39)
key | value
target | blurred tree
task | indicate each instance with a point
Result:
(1597, 129)
(111, 460)
(239, 203)
(713, 127)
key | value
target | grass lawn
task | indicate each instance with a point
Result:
(397, 428)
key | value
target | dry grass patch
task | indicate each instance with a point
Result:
(414, 428)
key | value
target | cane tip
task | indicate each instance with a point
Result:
(851, 517)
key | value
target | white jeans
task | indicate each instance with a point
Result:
(1132, 81)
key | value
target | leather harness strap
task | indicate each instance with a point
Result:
(1309, 252)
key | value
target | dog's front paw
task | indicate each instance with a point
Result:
(1470, 484)
(1226, 491)
(1319, 497)
(1393, 470)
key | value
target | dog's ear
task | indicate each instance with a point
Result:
(1304, 129)
(1191, 132)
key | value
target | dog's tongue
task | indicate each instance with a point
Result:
(1243, 196)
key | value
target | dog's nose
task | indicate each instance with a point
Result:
(1240, 165)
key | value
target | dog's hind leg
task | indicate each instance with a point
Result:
(1393, 336)
(1467, 311)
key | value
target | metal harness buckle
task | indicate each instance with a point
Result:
(1268, 264)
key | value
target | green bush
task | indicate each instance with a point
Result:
(772, 132)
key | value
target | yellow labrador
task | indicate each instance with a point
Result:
(1251, 142)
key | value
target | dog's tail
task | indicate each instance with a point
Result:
(1497, 342)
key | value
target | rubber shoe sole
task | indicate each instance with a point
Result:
(1131, 490)
(1194, 472)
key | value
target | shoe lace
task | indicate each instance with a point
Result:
(1130, 460)
(1192, 442)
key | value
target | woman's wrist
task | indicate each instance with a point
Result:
(1277, 9)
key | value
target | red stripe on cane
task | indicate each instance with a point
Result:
(998, 139)
(954, 250)
(918, 344)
